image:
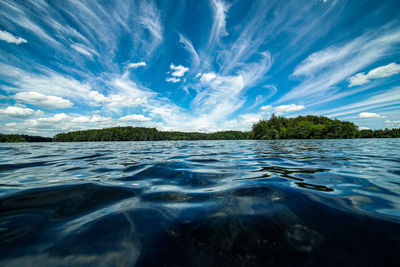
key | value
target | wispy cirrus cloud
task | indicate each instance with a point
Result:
(46, 82)
(218, 30)
(221, 96)
(150, 19)
(84, 50)
(135, 117)
(375, 101)
(325, 69)
(187, 44)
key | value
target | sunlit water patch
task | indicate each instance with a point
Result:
(200, 203)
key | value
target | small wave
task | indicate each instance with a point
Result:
(228, 203)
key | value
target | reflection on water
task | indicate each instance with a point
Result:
(200, 203)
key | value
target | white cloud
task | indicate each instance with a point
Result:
(97, 97)
(358, 79)
(282, 109)
(178, 71)
(9, 38)
(123, 93)
(95, 119)
(364, 115)
(137, 65)
(18, 112)
(135, 117)
(288, 108)
(60, 122)
(73, 120)
(380, 72)
(172, 79)
(116, 101)
(56, 118)
(363, 128)
(384, 71)
(250, 119)
(206, 77)
(39, 99)
(266, 108)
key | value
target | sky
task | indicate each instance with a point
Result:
(196, 65)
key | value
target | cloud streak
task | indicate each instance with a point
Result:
(187, 44)
(387, 98)
(218, 29)
(9, 38)
(325, 69)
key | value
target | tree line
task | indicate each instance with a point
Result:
(314, 127)
(13, 138)
(143, 134)
(301, 127)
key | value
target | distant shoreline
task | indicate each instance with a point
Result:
(275, 128)
(41, 142)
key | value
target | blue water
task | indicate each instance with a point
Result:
(200, 203)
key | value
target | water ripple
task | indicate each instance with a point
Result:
(196, 203)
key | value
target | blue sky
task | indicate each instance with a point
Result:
(196, 65)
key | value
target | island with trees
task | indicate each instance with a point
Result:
(301, 127)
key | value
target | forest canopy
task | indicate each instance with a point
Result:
(12, 138)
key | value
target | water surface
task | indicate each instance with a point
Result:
(200, 203)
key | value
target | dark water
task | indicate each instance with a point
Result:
(201, 203)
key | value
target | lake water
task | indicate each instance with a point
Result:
(200, 203)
